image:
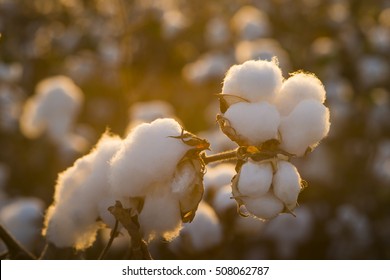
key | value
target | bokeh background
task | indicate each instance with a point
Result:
(136, 60)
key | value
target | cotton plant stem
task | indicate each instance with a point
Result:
(15, 250)
(112, 237)
(139, 249)
(220, 156)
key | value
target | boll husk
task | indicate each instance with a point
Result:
(304, 127)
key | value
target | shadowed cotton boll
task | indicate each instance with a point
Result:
(207, 67)
(149, 155)
(265, 207)
(254, 81)
(250, 23)
(223, 200)
(254, 123)
(52, 109)
(289, 232)
(149, 111)
(71, 221)
(304, 127)
(23, 219)
(203, 233)
(300, 86)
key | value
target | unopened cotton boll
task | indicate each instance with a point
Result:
(160, 215)
(254, 123)
(264, 207)
(304, 127)
(71, 221)
(287, 184)
(254, 81)
(148, 155)
(299, 87)
(255, 178)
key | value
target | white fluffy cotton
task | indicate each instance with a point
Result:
(223, 200)
(52, 109)
(255, 178)
(304, 127)
(300, 86)
(72, 218)
(255, 123)
(264, 207)
(160, 215)
(287, 184)
(254, 80)
(148, 155)
(205, 231)
(218, 176)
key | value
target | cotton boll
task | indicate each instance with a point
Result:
(255, 178)
(287, 183)
(219, 176)
(300, 86)
(254, 123)
(254, 81)
(304, 127)
(223, 201)
(23, 219)
(205, 231)
(53, 108)
(250, 23)
(264, 207)
(72, 218)
(148, 155)
(160, 216)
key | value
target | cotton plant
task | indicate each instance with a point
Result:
(272, 120)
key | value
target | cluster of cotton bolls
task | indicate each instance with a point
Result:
(272, 120)
(155, 171)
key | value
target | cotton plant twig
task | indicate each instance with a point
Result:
(15, 250)
(139, 249)
(228, 155)
(113, 234)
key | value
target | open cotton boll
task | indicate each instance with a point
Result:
(287, 183)
(148, 155)
(254, 123)
(255, 178)
(52, 109)
(205, 231)
(304, 127)
(254, 80)
(264, 207)
(298, 87)
(23, 219)
(71, 221)
(160, 215)
(223, 200)
(218, 176)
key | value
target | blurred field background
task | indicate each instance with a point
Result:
(123, 52)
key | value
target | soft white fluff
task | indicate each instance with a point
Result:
(255, 178)
(52, 109)
(148, 155)
(160, 215)
(71, 219)
(255, 81)
(287, 183)
(264, 207)
(23, 219)
(304, 127)
(254, 122)
(223, 200)
(218, 176)
(205, 231)
(298, 87)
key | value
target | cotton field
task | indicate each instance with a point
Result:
(195, 129)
